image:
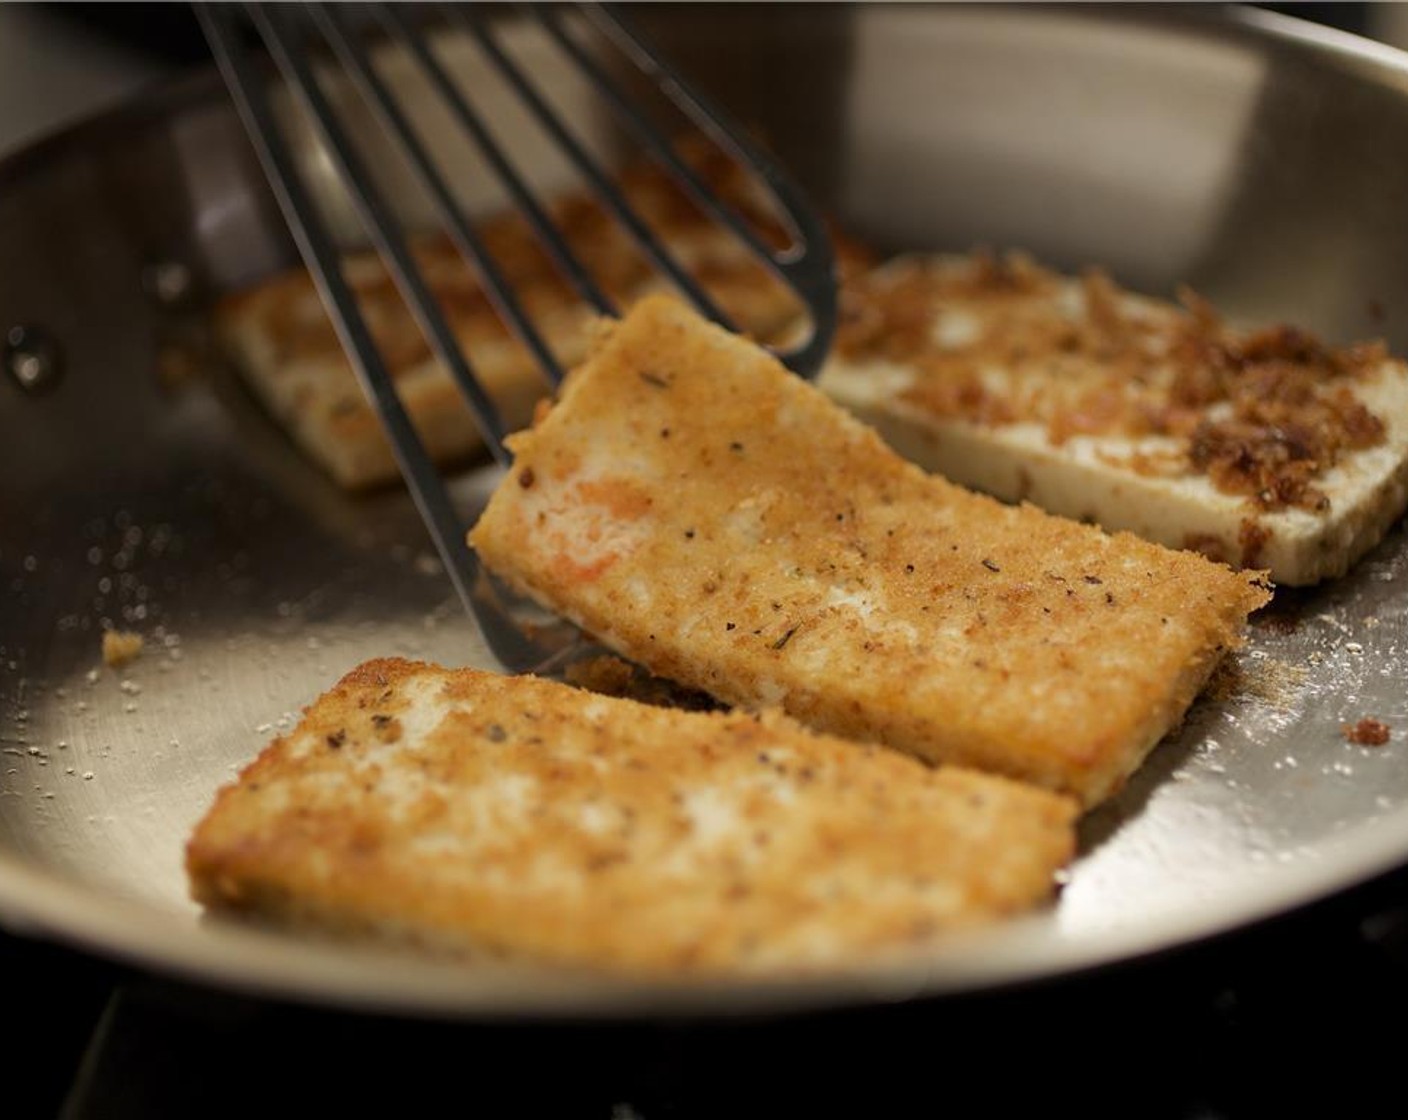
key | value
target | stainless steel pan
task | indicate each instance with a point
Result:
(1261, 160)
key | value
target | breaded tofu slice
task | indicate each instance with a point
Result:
(282, 341)
(520, 817)
(726, 525)
(1266, 449)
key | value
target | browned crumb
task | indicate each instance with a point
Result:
(1262, 414)
(1366, 733)
(120, 647)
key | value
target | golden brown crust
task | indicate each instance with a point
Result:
(727, 526)
(284, 344)
(512, 815)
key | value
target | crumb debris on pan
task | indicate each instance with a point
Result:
(121, 647)
(1277, 684)
(520, 817)
(1366, 732)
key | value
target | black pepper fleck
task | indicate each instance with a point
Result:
(526, 477)
(990, 566)
(337, 738)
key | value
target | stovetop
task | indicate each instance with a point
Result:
(1296, 1017)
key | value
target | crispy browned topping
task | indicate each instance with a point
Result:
(1366, 733)
(1263, 414)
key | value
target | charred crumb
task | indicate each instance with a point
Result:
(337, 738)
(1093, 580)
(787, 637)
(990, 566)
(495, 733)
(526, 478)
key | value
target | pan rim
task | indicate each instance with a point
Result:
(37, 901)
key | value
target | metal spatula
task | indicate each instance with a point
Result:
(294, 34)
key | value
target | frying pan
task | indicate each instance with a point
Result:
(1260, 159)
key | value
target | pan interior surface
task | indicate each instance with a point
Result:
(1254, 159)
